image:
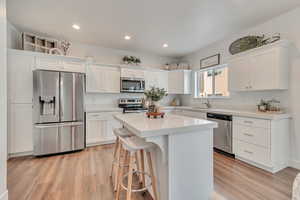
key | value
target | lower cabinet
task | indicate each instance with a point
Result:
(262, 143)
(99, 128)
(20, 129)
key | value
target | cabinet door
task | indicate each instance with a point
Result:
(100, 126)
(49, 63)
(102, 80)
(239, 77)
(151, 79)
(163, 80)
(20, 128)
(74, 67)
(176, 82)
(20, 84)
(263, 65)
(112, 81)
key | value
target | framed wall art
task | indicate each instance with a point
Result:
(210, 61)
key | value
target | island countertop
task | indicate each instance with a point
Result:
(142, 126)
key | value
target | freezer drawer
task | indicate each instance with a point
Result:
(59, 137)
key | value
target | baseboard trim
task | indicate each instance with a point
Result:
(20, 154)
(4, 196)
(295, 164)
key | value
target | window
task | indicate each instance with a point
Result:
(211, 82)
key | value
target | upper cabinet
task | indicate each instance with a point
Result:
(132, 73)
(102, 79)
(157, 79)
(179, 82)
(60, 63)
(264, 68)
(19, 70)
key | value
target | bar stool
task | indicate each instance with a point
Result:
(120, 132)
(130, 147)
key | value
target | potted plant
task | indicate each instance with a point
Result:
(154, 95)
(131, 60)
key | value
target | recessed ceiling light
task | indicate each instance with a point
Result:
(127, 37)
(165, 45)
(75, 26)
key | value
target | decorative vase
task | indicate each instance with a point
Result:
(154, 107)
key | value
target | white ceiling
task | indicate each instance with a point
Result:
(186, 25)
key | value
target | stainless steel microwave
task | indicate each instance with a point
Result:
(132, 85)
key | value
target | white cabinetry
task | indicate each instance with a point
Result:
(99, 128)
(263, 143)
(157, 79)
(265, 68)
(101, 79)
(179, 82)
(132, 73)
(20, 85)
(20, 90)
(20, 129)
(59, 63)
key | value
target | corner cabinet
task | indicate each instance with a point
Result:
(179, 82)
(99, 128)
(102, 79)
(263, 68)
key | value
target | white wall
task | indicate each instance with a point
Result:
(14, 37)
(114, 56)
(285, 24)
(3, 102)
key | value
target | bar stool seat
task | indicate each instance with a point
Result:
(131, 146)
(135, 143)
(122, 132)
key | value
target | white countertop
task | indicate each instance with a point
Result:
(94, 108)
(238, 113)
(145, 127)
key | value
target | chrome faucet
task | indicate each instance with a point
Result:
(207, 103)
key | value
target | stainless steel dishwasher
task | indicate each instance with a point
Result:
(222, 134)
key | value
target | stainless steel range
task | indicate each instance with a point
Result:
(132, 105)
(58, 112)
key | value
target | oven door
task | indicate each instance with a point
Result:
(132, 85)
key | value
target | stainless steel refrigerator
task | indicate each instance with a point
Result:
(58, 112)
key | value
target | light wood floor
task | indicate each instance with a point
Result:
(85, 176)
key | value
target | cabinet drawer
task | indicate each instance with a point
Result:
(260, 123)
(253, 135)
(254, 153)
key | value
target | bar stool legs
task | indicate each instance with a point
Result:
(142, 167)
(153, 179)
(130, 174)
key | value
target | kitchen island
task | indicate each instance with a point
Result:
(184, 155)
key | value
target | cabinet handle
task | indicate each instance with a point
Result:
(247, 134)
(249, 152)
(248, 122)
